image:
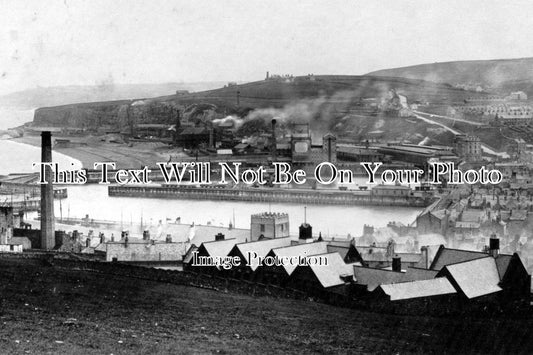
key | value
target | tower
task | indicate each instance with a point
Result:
(47, 194)
(273, 143)
(269, 225)
(329, 147)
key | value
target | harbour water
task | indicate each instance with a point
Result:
(329, 220)
(94, 201)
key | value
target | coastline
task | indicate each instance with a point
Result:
(93, 150)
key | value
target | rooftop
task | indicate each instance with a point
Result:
(329, 275)
(299, 250)
(262, 247)
(477, 277)
(417, 289)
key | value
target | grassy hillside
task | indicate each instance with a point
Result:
(525, 85)
(337, 87)
(339, 92)
(48, 310)
(483, 72)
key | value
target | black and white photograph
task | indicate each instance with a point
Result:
(266, 177)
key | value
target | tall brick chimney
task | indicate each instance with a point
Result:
(47, 195)
(273, 143)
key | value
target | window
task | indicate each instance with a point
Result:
(262, 226)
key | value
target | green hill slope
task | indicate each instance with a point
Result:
(487, 73)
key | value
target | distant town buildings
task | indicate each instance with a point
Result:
(468, 147)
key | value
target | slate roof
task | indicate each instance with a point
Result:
(219, 248)
(415, 273)
(373, 278)
(502, 263)
(340, 243)
(472, 215)
(300, 250)
(439, 214)
(329, 275)
(338, 249)
(101, 247)
(188, 256)
(262, 247)
(417, 289)
(24, 241)
(467, 225)
(197, 234)
(446, 256)
(409, 257)
(373, 253)
(477, 277)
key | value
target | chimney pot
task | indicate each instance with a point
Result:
(306, 231)
(494, 245)
(397, 264)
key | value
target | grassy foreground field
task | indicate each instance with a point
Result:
(47, 310)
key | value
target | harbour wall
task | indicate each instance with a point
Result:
(319, 197)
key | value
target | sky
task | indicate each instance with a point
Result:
(93, 42)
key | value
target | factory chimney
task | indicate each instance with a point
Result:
(397, 264)
(47, 194)
(273, 148)
(211, 137)
(494, 245)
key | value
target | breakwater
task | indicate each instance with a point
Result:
(318, 197)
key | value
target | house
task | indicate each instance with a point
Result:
(25, 242)
(250, 253)
(195, 233)
(446, 256)
(346, 250)
(11, 248)
(279, 274)
(216, 251)
(381, 257)
(465, 268)
(142, 251)
(432, 221)
(373, 256)
(368, 279)
(474, 278)
(188, 257)
(330, 273)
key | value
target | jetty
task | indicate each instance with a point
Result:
(374, 197)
